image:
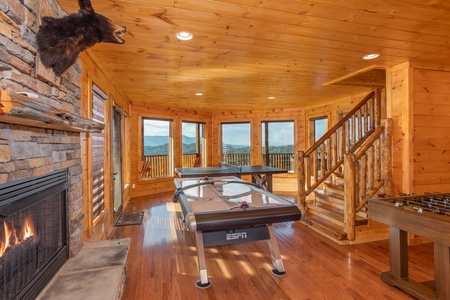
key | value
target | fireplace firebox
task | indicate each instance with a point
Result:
(33, 233)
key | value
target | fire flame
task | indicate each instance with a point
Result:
(27, 232)
(5, 244)
(11, 238)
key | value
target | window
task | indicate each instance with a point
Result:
(98, 153)
(278, 144)
(157, 148)
(236, 143)
(319, 128)
(357, 130)
(193, 142)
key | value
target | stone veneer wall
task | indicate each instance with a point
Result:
(29, 151)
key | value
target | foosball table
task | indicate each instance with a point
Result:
(425, 215)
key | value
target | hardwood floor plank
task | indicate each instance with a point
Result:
(162, 263)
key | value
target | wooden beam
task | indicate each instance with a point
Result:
(19, 109)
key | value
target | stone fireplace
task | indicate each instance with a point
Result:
(27, 151)
(44, 133)
(32, 151)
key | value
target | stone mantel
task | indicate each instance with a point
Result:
(20, 109)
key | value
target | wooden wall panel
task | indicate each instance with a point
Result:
(142, 187)
(398, 100)
(154, 186)
(255, 117)
(431, 130)
(93, 72)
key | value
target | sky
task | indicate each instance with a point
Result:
(281, 133)
(156, 127)
(236, 134)
(188, 129)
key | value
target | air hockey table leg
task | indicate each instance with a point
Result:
(277, 262)
(203, 282)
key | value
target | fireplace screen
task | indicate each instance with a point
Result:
(33, 238)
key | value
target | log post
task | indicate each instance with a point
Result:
(301, 178)
(350, 196)
(386, 158)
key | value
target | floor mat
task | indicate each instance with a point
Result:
(129, 218)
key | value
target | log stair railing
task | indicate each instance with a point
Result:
(349, 163)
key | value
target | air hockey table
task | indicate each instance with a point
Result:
(228, 210)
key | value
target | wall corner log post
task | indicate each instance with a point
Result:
(20, 109)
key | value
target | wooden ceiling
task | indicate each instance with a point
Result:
(245, 51)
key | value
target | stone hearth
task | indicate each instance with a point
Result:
(98, 272)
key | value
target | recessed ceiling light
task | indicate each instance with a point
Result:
(198, 94)
(184, 36)
(370, 56)
(271, 98)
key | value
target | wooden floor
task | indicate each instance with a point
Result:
(163, 263)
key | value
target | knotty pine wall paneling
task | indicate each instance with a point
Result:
(93, 72)
(143, 187)
(431, 158)
(398, 87)
(419, 104)
(282, 182)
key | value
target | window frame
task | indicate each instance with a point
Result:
(147, 164)
(312, 128)
(200, 144)
(98, 188)
(238, 160)
(282, 162)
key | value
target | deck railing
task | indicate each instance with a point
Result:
(281, 160)
(188, 160)
(158, 165)
(155, 166)
(276, 160)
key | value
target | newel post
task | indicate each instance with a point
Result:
(350, 196)
(301, 178)
(386, 158)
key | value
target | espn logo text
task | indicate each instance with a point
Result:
(236, 236)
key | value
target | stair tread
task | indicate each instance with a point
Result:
(326, 227)
(333, 212)
(330, 185)
(339, 174)
(329, 194)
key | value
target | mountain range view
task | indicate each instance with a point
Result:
(158, 140)
(158, 145)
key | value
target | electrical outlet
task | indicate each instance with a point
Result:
(133, 186)
(103, 227)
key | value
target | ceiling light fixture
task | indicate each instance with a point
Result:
(370, 56)
(271, 98)
(198, 94)
(184, 36)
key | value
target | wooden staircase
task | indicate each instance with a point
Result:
(333, 192)
(325, 210)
